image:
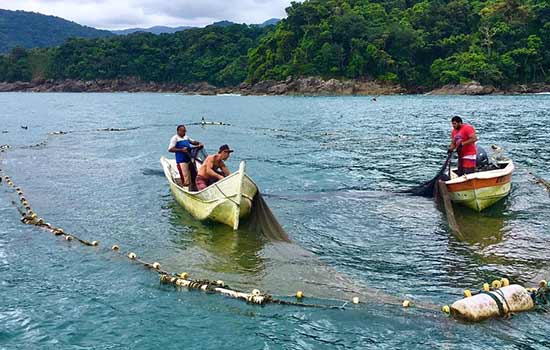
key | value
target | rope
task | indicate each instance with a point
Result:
(498, 302)
(226, 197)
(501, 293)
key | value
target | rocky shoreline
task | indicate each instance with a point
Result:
(310, 86)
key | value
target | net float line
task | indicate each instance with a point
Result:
(499, 299)
(61, 132)
(255, 297)
(182, 280)
(29, 217)
(462, 309)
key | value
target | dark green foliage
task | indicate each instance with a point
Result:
(411, 42)
(30, 30)
(430, 42)
(215, 54)
(15, 66)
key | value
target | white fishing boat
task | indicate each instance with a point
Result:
(226, 201)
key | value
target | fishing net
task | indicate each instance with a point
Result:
(261, 219)
(428, 189)
(263, 222)
(436, 188)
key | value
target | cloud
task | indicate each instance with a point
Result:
(117, 14)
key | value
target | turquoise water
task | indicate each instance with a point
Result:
(330, 169)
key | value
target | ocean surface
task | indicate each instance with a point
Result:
(330, 168)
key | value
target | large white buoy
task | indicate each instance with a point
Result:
(513, 298)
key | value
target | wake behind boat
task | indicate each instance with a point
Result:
(226, 201)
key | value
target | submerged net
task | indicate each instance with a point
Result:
(428, 189)
(436, 188)
(263, 222)
(289, 267)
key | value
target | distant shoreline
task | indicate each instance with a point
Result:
(310, 86)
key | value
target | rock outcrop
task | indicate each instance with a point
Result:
(309, 86)
(471, 88)
(318, 86)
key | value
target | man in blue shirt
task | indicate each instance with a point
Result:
(181, 145)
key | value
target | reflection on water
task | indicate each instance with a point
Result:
(491, 243)
(480, 229)
(228, 251)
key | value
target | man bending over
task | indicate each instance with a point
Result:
(208, 173)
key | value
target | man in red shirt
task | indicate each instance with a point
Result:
(463, 140)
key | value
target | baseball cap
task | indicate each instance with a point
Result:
(225, 148)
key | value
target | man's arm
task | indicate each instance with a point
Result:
(452, 147)
(212, 173)
(209, 164)
(471, 139)
(175, 149)
(172, 147)
(224, 169)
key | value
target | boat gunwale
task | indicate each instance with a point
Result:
(198, 194)
(484, 175)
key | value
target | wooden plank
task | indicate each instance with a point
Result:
(449, 211)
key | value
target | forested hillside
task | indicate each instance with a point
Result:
(215, 54)
(30, 30)
(411, 42)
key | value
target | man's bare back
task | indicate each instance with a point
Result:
(207, 174)
(211, 164)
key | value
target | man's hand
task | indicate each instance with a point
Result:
(184, 149)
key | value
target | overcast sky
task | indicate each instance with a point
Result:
(119, 14)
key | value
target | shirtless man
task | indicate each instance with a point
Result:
(207, 172)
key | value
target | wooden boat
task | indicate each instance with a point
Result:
(482, 189)
(227, 201)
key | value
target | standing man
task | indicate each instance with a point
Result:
(181, 145)
(463, 140)
(208, 174)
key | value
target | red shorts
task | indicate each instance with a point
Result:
(467, 163)
(203, 182)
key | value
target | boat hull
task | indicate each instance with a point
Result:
(227, 201)
(479, 191)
